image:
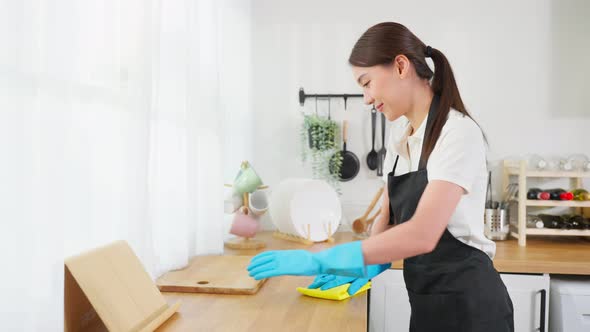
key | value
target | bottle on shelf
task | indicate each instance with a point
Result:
(551, 221)
(559, 194)
(581, 195)
(567, 223)
(566, 196)
(536, 193)
(533, 221)
(577, 221)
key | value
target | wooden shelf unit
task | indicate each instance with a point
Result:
(520, 169)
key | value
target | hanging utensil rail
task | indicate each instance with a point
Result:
(303, 96)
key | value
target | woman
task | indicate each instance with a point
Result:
(435, 196)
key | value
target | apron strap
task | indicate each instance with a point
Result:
(432, 112)
(395, 165)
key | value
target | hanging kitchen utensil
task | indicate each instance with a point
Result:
(350, 162)
(373, 157)
(383, 151)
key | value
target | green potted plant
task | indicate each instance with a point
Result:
(319, 145)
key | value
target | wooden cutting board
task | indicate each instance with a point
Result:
(221, 274)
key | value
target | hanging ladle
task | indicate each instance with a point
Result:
(373, 156)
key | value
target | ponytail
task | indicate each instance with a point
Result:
(443, 84)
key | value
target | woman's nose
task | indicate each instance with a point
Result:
(368, 99)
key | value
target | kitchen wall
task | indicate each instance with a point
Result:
(519, 65)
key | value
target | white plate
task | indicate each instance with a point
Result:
(280, 202)
(297, 202)
(317, 206)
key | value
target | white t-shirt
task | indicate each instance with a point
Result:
(459, 156)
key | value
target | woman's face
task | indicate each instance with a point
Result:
(386, 87)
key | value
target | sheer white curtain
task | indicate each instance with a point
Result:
(110, 128)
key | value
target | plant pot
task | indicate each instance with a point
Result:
(315, 143)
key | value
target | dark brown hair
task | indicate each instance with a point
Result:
(381, 43)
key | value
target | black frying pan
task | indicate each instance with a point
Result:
(350, 162)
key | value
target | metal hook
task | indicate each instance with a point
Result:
(316, 106)
(329, 105)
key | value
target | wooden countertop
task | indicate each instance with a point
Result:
(553, 255)
(277, 305)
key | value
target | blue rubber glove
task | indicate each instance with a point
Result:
(327, 281)
(345, 260)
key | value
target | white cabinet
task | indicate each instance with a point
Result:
(389, 307)
(530, 298)
(570, 304)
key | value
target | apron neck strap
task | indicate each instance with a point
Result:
(432, 113)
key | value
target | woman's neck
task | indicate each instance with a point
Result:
(420, 106)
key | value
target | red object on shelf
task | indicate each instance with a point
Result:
(566, 196)
(544, 195)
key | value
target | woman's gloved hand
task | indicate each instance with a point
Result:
(344, 260)
(327, 281)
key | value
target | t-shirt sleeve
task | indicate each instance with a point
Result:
(458, 154)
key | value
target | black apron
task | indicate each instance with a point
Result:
(455, 287)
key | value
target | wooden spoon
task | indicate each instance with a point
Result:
(370, 220)
(360, 224)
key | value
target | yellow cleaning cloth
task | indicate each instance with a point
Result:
(337, 293)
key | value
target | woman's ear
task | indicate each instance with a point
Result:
(401, 65)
